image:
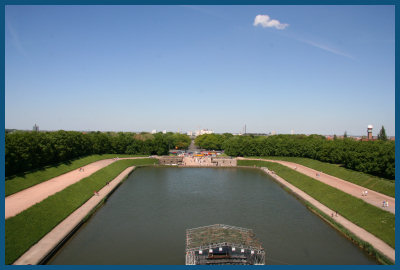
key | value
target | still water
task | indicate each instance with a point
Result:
(145, 219)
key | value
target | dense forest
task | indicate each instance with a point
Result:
(373, 157)
(30, 150)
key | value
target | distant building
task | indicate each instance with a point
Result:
(171, 160)
(329, 137)
(35, 128)
(189, 133)
(154, 131)
(164, 131)
(203, 131)
(369, 132)
(224, 161)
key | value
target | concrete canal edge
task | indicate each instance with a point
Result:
(51, 242)
(383, 249)
(56, 237)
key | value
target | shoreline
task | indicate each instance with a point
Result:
(54, 239)
(359, 232)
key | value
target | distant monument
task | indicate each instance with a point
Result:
(35, 128)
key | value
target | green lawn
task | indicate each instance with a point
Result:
(28, 227)
(21, 182)
(371, 218)
(381, 185)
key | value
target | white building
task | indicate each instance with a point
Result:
(154, 131)
(203, 131)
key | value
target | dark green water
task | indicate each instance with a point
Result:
(145, 219)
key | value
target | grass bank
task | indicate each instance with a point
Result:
(28, 227)
(370, 250)
(373, 219)
(381, 185)
(22, 181)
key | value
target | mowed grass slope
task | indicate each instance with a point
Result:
(378, 184)
(375, 220)
(28, 227)
(20, 182)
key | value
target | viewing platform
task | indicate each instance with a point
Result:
(223, 245)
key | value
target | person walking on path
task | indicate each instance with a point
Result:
(371, 197)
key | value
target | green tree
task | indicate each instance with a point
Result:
(345, 135)
(382, 134)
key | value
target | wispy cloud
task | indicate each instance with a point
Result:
(15, 38)
(325, 47)
(266, 21)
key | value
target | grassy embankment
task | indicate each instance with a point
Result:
(373, 219)
(381, 185)
(22, 181)
(382, 259)
(28, 227)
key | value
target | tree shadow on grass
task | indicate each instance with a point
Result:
(41, 169)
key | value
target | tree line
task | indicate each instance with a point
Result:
(25, 150)
(372, 157)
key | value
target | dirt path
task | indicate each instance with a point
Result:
(377, 243)
(373, 197)
(40, 250)
(20, 201)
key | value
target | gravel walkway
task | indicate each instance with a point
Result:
(39, 251)
(377, 243)
(20, 201)
(373, 197)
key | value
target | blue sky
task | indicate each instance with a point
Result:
(311, 69)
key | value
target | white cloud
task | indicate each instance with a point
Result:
(15, 38)
(265, 21)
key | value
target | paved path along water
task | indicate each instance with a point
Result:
(358, 231)
(20, 201)
(40, 250)
(373, 197)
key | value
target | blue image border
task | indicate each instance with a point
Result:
(187, 2)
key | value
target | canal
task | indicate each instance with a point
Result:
(145, 220)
